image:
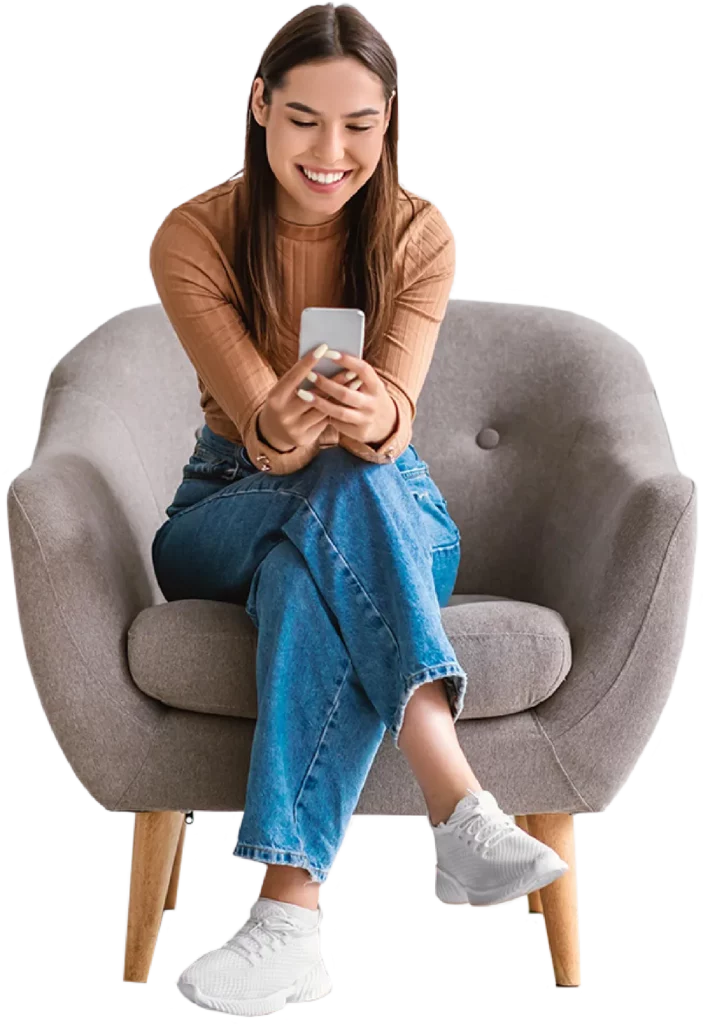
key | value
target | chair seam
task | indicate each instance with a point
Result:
(645, 617)
(87, 394)
(555, 755)
(106, 693)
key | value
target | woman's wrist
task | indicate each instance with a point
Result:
(262, 437)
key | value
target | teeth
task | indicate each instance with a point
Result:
(324, 179)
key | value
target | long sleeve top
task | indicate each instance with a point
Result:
(191, 267)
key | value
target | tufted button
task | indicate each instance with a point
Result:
(487, 438)
(264, 463)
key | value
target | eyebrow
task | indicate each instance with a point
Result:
(356, 113)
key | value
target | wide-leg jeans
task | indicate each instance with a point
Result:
(342, 567)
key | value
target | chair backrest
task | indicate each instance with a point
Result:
(521, 407)
(515, 396)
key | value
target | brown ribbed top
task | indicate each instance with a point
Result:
(198, 290)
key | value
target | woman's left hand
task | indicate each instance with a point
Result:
(367, 413)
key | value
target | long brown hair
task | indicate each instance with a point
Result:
(320, 32)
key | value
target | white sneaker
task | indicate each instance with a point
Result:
(483, 857)
(274, 958)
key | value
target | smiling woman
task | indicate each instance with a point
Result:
(317, 218)
(236, 265)
(319, 516)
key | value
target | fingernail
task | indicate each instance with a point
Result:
(320, 350)
(333, 354)
(349, 374)
(355, 386)
(305, 395)
(312, 375)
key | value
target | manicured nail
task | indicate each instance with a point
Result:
(350, 374)
(355, 386)
(305, 395)
(312, 375)
(333, 354)
(320, 350)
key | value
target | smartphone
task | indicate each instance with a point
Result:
(342, 329)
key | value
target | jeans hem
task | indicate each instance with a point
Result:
(272, 855)
(452, 672)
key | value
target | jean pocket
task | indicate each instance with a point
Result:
(208, 464)
(441, 529)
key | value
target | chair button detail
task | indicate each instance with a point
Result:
(487, 438)
(265, 465)
(388, 452)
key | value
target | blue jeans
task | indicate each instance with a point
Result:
(342, 566)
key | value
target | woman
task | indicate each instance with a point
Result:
(313, 508)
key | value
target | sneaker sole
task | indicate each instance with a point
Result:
(313, 985)
(450, 890)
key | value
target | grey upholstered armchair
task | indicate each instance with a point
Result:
(545, 434)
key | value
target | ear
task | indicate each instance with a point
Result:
(258, 108)
(390, 108)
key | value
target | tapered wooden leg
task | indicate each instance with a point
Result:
(559, 904)
(170, 903)
(156, 839)
(534, 903)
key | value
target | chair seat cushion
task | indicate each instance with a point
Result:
(201, 655)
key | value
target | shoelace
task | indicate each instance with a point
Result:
(251, 939)
(485, 821)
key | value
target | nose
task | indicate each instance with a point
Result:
(329, 148)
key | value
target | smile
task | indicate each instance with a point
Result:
(318, 186)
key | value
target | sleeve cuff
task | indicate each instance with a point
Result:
(395, 444)
(269, 459)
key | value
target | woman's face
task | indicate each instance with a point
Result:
(329, 140)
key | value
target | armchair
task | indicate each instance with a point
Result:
(545, 434)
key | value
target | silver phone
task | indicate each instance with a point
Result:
(342, 329)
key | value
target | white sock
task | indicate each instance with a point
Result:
(303, 914)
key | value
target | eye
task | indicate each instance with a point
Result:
(351, 127)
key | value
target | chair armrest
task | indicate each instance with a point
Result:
(616, 561)
(81, 579)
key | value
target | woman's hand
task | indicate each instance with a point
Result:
(363, 409)
(285, 419)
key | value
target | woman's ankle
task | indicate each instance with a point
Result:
(291, 885)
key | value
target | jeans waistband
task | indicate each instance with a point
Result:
(408, 459)
(220, 443)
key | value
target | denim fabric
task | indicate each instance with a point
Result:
(343, 567)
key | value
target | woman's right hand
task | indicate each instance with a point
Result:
(285, 419)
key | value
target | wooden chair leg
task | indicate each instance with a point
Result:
(157, 836)
(170, 903)
(534, 903)
(558, 899)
